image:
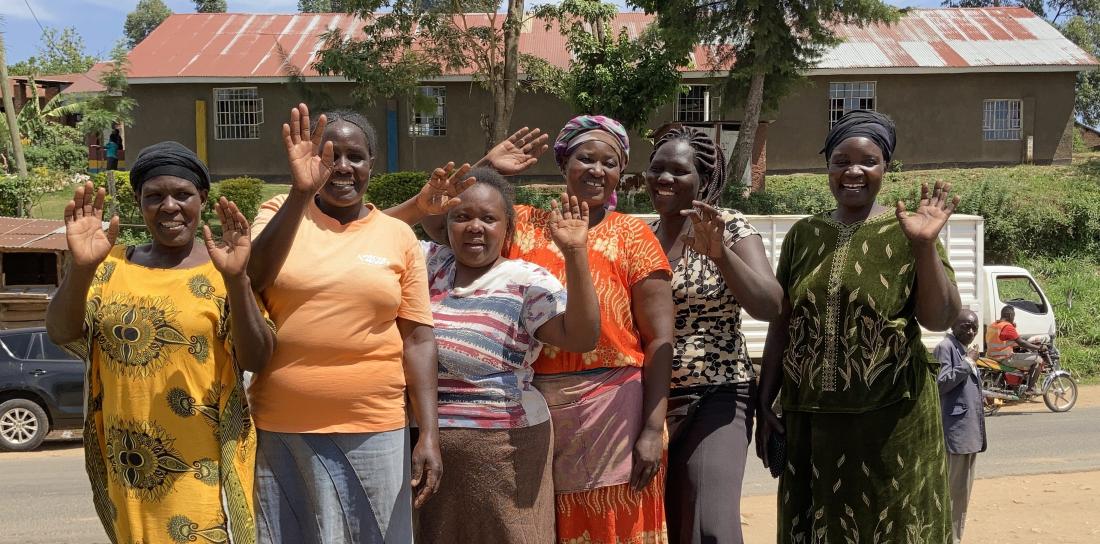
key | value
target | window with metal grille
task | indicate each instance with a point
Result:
(1001, 119)
(697, 104)
(238, 113)
(850, 95)
(431, 122)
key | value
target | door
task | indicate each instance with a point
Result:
(1034, 314)
(59, 375)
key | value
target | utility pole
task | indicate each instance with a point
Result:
(9, 111)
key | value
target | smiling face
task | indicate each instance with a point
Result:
(672, 179)
(351, 166)
(478, 227)
(965, 327)
(172, 208)
(592, 172)
(856, 168)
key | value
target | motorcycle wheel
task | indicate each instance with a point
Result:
(1060, 394)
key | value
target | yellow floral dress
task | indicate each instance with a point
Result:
(169, 442)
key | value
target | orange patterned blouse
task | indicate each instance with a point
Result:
(622, 251)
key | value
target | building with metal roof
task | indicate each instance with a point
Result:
(965, 86)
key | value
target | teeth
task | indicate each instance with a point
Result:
(593, 184)
(343, 183)
(665, 193)
(171, 224)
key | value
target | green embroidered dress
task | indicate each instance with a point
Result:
(866, 460)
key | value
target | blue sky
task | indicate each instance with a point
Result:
(100, 21)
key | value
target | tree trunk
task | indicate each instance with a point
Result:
(504, 90)
(746, 135)
(9, 111)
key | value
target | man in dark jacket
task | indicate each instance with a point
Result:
(963, 420)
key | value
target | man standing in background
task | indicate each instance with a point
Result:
(963, 420)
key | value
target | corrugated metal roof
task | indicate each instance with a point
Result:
(245, 45)
(34, 234)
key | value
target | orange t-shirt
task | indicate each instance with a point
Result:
(622, 250)
(337, 366)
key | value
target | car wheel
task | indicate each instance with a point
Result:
(23, 425)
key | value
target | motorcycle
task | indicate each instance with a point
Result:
(1003, 384)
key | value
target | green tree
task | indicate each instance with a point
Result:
(323, 6)
(405, 42)
(146, 17)
(610, 74)
(102, 111)
(766, 44)
(1078, 20)
(210, 6)
(60, 52)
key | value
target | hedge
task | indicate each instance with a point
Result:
(388, 190)
(247, 193)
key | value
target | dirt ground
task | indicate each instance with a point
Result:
(1039, 509)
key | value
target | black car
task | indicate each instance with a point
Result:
(41, 388)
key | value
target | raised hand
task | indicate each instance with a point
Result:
(569, 224)
(88, 243)
(517, 152)
(925, 223)
(230, 254)
(707, 230)
(441, 192)
(310, 164)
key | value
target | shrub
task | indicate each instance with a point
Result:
(245, 192)
(538, 197)
(388, 190)
(64, 157)
(128, 212)
(19, 194)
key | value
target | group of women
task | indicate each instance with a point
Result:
(574, 374)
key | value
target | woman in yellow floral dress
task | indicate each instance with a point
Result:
(169, 443)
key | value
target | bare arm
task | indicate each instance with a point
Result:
(771, 379)
(436, 197)
(1028, 345)
(88, 246)
(253, 340)
(578, 329)
(421, 377)
(653, 310)
(744, 266)
(310, 166)
(938, 302)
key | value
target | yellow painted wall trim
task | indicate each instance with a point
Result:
(200, 130)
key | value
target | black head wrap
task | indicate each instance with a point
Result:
(168, 159)
(869, 124)
(710, 163)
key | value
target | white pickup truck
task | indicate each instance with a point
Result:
(984, 289)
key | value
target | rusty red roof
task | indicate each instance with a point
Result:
(251, 46)
(89, 82)
(32, 234)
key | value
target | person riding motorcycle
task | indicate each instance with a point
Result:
(1002, 341)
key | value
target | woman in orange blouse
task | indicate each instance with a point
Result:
(607, 405)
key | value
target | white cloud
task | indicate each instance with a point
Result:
(263, 6)
(17, 9)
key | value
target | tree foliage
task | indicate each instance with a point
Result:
(102, 111)
(1078, 20)
(322, 6)
(210, 6)
(146, 17)
(60, 52)
(610, 73)
(406, 42)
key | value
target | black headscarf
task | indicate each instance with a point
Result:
(869, 124)
(168, 159)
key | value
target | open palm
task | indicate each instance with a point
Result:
(925, 223)
(569, 223)
(517, 152)
(707, 230)
(310, 163)
(88, 243)
(230, 254)
(441, 192)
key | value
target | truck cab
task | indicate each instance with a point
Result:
(1016, 287)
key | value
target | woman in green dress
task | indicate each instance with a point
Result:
(865, 456)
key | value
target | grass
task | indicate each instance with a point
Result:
(1073, 287)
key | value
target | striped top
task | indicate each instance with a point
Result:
(486, 337)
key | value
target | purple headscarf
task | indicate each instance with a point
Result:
(584, 128)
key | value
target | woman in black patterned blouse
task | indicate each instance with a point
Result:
(719, 266)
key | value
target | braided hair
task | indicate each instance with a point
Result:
(708, 158)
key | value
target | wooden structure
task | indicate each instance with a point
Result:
(32, 254)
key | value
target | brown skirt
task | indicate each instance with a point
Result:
(497, 486)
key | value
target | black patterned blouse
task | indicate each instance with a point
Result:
(709, 348)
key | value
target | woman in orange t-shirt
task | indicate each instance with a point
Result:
(608, 405)
(347, 286)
